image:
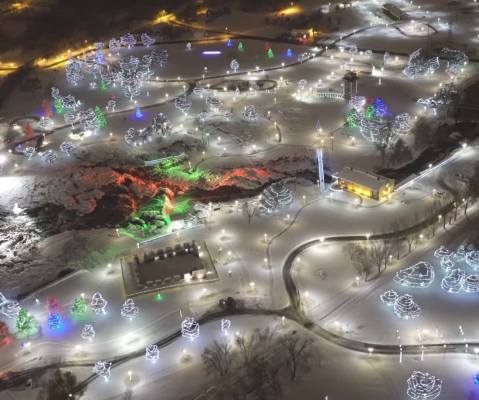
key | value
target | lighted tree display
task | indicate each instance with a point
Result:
(234, 65)
(53, 305)
(114, 45)
(100, 117)
(73, 71)
(98, 303)
(423, 386)
(183, 103)
(270, 53)
(129, 309)
(79, 307)
(67, 148)
(146, 39)
(128, 40)
(152, 352)
(25, 324)
(87, 332)
(54, 321)
(241, 47)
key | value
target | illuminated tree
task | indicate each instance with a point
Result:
(79, 307)
(58, 106)
(270, 53)
(146, 39)
(25, 324)
(241, 46)
(100, 118)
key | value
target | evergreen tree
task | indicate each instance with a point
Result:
(100, 118)
(270, 53)
(58, 107)
(104, 86)
(79, 306)
(241, 47)
(25, 324)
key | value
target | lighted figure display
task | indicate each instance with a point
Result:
(420, 64)
(88, 120)
(213, 104)
(146, 39)
(389, 297)
(73, 71)
(401, 124)
(406, 308)
(152, 352)
(29, 152)
(302, 84)
(102, 368)
(111, 105)
(190, 328)
(188, 46)
(471, 284)
(250, 114)
(423, 386)
(234, 65)
(160, 57)
(418, 275)
(459, 254)
(138, 112)
(49, 157)
(128, 40)
(229, 43)
(67, 148)
(98, 303)
(114, 45)
(54, 321)
(225, 326)
(129, 309)
(87, 332)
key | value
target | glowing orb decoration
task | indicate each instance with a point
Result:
(54, 321)
(190, 328)
(98, 303)
(471, 284)
(87, 332)
(418, 275)
(423, 386)
(389, 297)
(452, 282)
(129, 309)
(406, 308)
(225, 325)
(472, 259)
(442, 252)
(447, 263)
(102, 368)
(152, 352)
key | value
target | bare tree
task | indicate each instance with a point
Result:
(60, 386)
(298, 355)
(359, 259)
(378, 252)
(411, 240)
(218, 358)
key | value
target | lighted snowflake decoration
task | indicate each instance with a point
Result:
(418, 275)
(423, 386)
(190, 328)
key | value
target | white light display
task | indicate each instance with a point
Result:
(250, 114)
(98, 303)
(160, 57)
(442, 252)
(420, 64)
(358, 102)
(368, 53)
(146, 39)
(190, 328)
(183, 103)
(459, 254)
(447, 263)
(87, 119)
(452, 282)
(225, 326)
(67, 147)
(45, 123)
(406, 308)
(161, 125)
(423, 386)
(471, 284)
(418, 275)
(49, 157)
(103, 369)
(389, 297)
(275, 197)
(214, 104)
(188, 46)
(111, 106)
(472, 259)
(401, 124)
(129, 309)
(29, 152)
(198, 91)
(9, 308)
(152, 352)
(302, 84)
(234, 65)
(128, 40)
(87, 332)
(114, 45)
(73, 71)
